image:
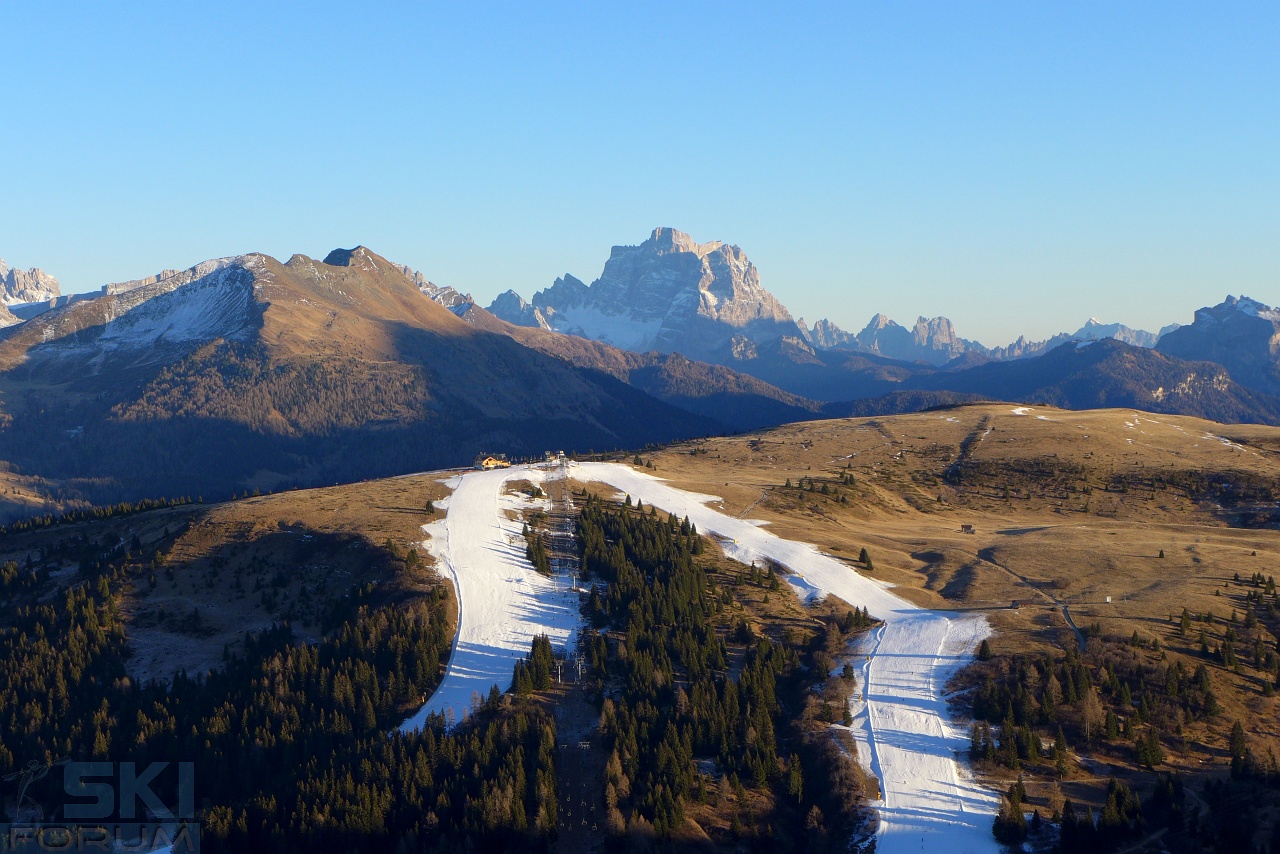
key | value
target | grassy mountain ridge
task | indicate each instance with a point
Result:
(251, 373)
(1109, 373)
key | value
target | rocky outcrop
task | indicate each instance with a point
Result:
(452, 299)
(826, 335)
(19, 286)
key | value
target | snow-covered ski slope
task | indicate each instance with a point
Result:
(903, 730)
(905, 736)
(504, 603)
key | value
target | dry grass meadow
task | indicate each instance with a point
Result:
(1070, 512)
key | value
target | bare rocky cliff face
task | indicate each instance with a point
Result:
(19, 286)
(669, 293)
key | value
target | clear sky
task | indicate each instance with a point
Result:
(1017, 167)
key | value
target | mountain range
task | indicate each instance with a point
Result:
(705, 300)
(246, 372)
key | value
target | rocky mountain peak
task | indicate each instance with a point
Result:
(878, 322)
(669, 293)
(931, 339)
(510, 306)
(826, 335)
(1095, 330)
(358, 257)
(938, 329)
(668, 240)
(1252, 308)
(21, 286)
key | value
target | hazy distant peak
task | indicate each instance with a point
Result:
(878, 322)
(1095, 330)
(21, 286)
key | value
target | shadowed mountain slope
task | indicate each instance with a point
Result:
(246, 372)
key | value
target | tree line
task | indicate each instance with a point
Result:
(295, 745)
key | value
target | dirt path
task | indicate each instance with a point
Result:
(987, 555)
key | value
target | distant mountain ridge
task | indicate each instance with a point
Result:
(1242, 335)
(247, 372)
(706, 301)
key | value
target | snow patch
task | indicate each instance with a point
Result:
(620, 330)
(1226, 443)
(503, 602)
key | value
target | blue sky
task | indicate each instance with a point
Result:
(1014, 166)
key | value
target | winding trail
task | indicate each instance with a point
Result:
(904, 731)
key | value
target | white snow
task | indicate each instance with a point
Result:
(904, 732)
(1021, 410)
(1254, 308)
(503, 602)
(208, 301)
(1227, 443)
(620, 330)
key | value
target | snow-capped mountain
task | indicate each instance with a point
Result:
(1095, 330)
(19, 286)
(1241, 334)
(670, 294)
